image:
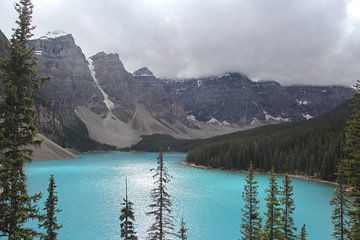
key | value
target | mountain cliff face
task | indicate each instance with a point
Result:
(70, 86)
(234, 98)
(100, 99)
(4, 43)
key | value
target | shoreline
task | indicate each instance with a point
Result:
(301, 177)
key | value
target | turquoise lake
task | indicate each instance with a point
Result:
(91, 188)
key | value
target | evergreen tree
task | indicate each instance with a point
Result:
(126, 218)
(303, 233)
(17, 130)
(350, 168)
(251, 220)
(339, 217)
(163, 225)
(50, 223)
(273, 225)
(288, 204)
(183, 230)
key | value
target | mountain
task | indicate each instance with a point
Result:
(234, 98)
(92, 103)
(69, 87)
(312, 147)
(4, 43)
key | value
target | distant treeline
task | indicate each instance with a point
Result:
(313, 147)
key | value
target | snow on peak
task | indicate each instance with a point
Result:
(54, 34)
(199, 83)
(224, 75)
(307, 116)
(214, 121)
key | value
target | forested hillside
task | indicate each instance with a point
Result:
(312, 147)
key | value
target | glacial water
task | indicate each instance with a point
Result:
(91, 188)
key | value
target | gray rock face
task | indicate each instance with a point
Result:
(4, 43)
(144, 71)
(69, 87)
(126, 89)
(235, 98)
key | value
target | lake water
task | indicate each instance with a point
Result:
(91, 189)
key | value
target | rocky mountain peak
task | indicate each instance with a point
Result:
(110, 60)
(55, 34)
(143, 72)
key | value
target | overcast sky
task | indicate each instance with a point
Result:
(291, 41)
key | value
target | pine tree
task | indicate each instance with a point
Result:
(183, 230)
(50, 223)
(303, 233)
(163, 225)
(273, 225)
(339, 217)
(288, 204)
(251, 220)
(18, 130)
(350, 168)
(127, 218)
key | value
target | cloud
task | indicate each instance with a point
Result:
(294, 42)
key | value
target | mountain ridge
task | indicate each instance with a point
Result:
(143, 104)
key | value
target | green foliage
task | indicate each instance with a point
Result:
(163, 225)
(273, 225)
(303, 234)
(50, 223)
(153, 143)
(127, 218)
(17, 130)
(350, 167)
(288, 204)
(183, 230)
(341, 205)
(251, 219)
(312, 147)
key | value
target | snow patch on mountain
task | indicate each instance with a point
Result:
(191, 117)
(302, 102)
(109, 104)
(278, 118)
(255, 121)
(214, 121)
(54, 34)
(224, 75)
(307, 116)
(38, 52)
(226, 123)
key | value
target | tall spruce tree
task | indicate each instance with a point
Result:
(350, 168)
(251, 219)
(127, 218)
(50, 223)
(341, 204)
(163, 226)
(288, 203)
(18, 130)
(303, 233)
(273, 225)
(182, 233)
